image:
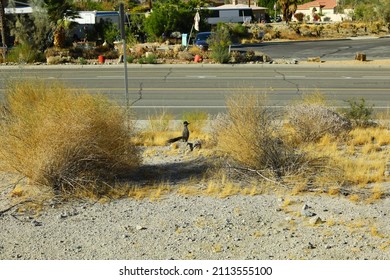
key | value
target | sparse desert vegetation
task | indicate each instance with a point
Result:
(67, 141)
(59, 139)
(74, 148)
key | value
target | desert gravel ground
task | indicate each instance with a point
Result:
(177, 226)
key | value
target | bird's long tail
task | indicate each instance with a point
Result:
(173, 140)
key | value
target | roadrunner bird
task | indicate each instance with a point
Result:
(184, 136)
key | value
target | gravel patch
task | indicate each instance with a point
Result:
(200, 227)
(177, 226)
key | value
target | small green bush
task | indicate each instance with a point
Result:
(149, 59)
(238, 31)
(359, 113)
(82, 60)
(130, 58)
(219, 43)
(220, 54)
(24, 54)
(62, 139)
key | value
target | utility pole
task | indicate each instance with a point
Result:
(123, 37)
(2, 27)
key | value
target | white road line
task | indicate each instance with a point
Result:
(201, 77)
(377, 77)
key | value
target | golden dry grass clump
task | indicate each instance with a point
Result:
(157, 131)
(61, 139)
(252, 136)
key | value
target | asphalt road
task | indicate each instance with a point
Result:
(183, 88)
(374, 48)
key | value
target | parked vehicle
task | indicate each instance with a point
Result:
(201, 40)
(277, 19)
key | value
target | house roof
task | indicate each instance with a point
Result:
(324, 4)
(23, 10)
(238, 6)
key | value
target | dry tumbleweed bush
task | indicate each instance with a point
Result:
(64, 140)
(251, 135)
(312, 121)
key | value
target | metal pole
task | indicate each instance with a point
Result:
(123, 36)
(2, 26)
(189, 37)
(275, 9)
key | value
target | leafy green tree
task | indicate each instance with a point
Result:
(370, 11)
(267, 4)
(385, 10)
(136, 31)
(57, 11)
(40, 26)
(32, 29)
(172, 15)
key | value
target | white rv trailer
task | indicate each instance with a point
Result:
(229, 13)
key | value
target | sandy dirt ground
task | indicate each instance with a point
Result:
(176, 225)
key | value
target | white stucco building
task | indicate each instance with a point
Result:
(325, 9)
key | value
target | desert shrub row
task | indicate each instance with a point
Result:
(67, 140)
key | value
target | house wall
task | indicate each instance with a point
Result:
(328, 14)
(230, 15)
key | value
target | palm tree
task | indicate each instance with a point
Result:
(3, 3)
(57, 10)
(288, 8)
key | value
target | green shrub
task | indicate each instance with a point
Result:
(220, 54)
(82, 60)
(111, 32)
(130, 58)
(238, 31)
(24, 54)
(219, 43)
(149, 59)
(62, 139)
(359, 113)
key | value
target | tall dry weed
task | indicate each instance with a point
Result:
(251, 135)
(64, 140)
